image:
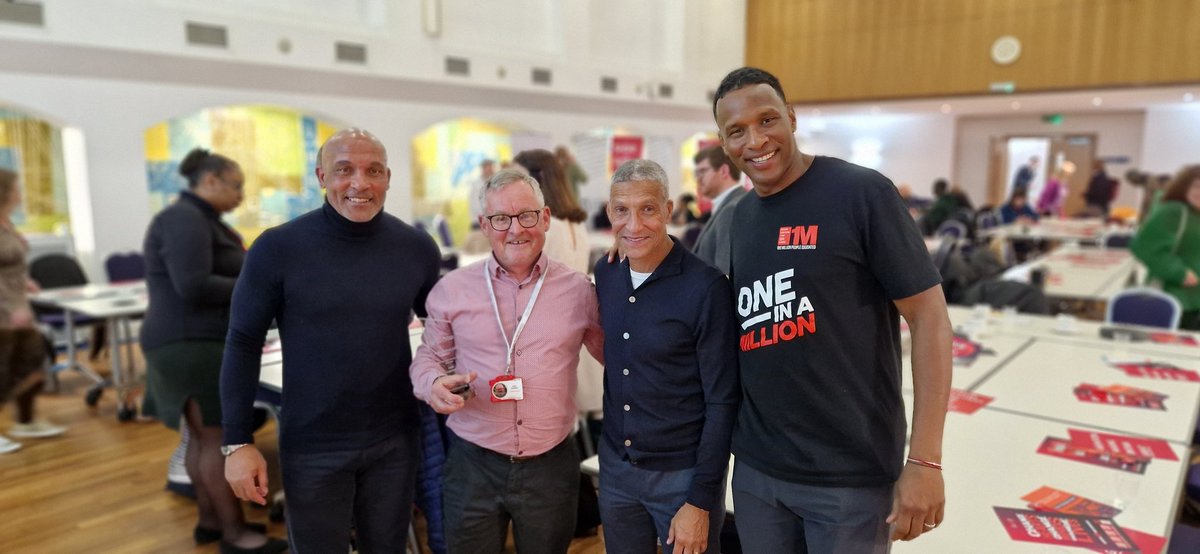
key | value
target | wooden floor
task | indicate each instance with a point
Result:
(99, 487)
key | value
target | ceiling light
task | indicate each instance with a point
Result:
(1096, 101)
(945, 108)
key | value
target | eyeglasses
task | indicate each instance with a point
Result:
(502, 222)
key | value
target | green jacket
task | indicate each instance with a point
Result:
(1155, 246)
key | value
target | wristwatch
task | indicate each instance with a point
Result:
(228, 449)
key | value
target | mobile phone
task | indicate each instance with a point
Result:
(463, 390)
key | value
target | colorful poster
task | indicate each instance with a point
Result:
(623, 149)
(965, 402)
(1064, 529)
(1063, 448)
(1145, 542)
(1050, 499)
(1121, 395)
(1155, 370)
(966, 351)
(1123, 444)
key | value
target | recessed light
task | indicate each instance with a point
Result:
(1096, 101)
(1015, 105)
(946, 108)
(1188, 97)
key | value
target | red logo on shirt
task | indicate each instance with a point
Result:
(800, 237)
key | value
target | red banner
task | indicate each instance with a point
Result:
(623, 149)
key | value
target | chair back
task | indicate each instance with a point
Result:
(986, 219)
(128, 266)
(952, 228)
(1144, 306)
(945, 249)
(1116, 240)
(54, 271)
(443, 231)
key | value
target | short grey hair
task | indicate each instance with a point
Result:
(503, 178)
(643, 170)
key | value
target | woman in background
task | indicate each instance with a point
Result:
(192, 262)
(1017, 209)
(1168, 243)
(22, 352)
(567, 239)
(1054, 194)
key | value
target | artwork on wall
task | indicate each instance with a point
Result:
(33, 149)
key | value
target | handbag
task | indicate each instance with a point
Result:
(1157, 284)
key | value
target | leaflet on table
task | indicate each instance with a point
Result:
(1050, 499)
(1154, 370)
(965, 402)
(966, 351)
(1157, 337)
(1145, 542)
(1121, 395)
(1063, 448)
(1123, 444)
(1064, 529)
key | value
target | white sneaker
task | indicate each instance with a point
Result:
(7, 445)
(36, 429)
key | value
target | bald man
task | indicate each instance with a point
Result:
(343, 282)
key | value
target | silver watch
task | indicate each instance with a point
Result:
(228, 449)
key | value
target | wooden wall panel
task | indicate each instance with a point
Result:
(838, 50)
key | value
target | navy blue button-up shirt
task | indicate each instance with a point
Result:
(670, 377)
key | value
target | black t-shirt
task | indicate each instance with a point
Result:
(815, 268)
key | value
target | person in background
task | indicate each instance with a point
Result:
(670, 386)
(820, 434)
(717, 179)
(1054, 194)
(342, 281)
(192, 263)
(571, 169)
(1024, 176)
(487, 168)
(22, 350)
(1017, 209)
(1168, 243)
(944, 205)
(1100, 191)
(685, 210)
(517, 319)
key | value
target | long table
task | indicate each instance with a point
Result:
(1090, 229)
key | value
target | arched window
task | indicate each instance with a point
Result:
(33, 149)
(275, 146)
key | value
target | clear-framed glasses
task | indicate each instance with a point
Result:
(501, 222)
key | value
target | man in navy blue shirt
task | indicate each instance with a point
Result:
(670, 378)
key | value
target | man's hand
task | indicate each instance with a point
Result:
(1189, 279)
(441, 399)
(614, 251)
(918, 503)
(689, 530)
(246, 471)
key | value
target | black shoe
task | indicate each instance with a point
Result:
(204, 535)
(272, 546)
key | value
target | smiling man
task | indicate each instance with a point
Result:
(517, 322)
(825, 261)
(343, 282)
(670, 385)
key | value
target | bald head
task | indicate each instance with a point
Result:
(354, 173)
(352, 133)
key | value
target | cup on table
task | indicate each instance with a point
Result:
(981, 312)
(1011, 318)
(1121, 339)
(1065, 323)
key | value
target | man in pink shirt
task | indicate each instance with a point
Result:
(510, 329)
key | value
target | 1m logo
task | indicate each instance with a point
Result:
(800, 237)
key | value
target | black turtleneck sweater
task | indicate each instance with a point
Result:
(343, 294)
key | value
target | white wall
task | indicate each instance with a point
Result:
(1117, 134)
(912, 149)
(1172, 139)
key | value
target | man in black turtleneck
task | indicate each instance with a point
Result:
(342, 282)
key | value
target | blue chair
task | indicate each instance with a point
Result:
(951, 228)
(443, 231)
(1144, 306)
(944, 251)
(1185, 539)
(986, 219)
(130, 266)
(1116, 240)
(57, 271)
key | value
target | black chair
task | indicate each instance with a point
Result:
(53, 271)
(130, 266)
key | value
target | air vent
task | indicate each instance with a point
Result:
(458, 66)
(541, 76)
(24, 13)
(350, 52)
(608, 84)
(202, 34)
(665, 90)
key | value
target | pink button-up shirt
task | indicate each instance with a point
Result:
(545, 357)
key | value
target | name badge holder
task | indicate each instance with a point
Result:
(508, 387)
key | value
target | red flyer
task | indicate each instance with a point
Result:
(1063, 448)
(1172, 338)
(965, 402)
(1153, 370)
(1121, 395)
(1050, 499)
(966, 351)
(1064, 529)
(1146, 543)
(1122, 444)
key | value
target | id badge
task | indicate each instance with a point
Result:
(506, 388)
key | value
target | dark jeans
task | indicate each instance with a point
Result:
(637, 505)
(483, 491)
(779, 516)
(370, 489)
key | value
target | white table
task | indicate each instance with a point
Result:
(1051, 229)
(1087, 273)
(116, 304)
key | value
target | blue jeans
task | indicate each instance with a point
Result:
(780, 516)
(637, 505)
(370, 489)
(484, 491)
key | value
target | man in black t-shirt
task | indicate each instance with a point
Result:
(825, 260)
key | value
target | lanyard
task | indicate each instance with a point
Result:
(537, 289)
